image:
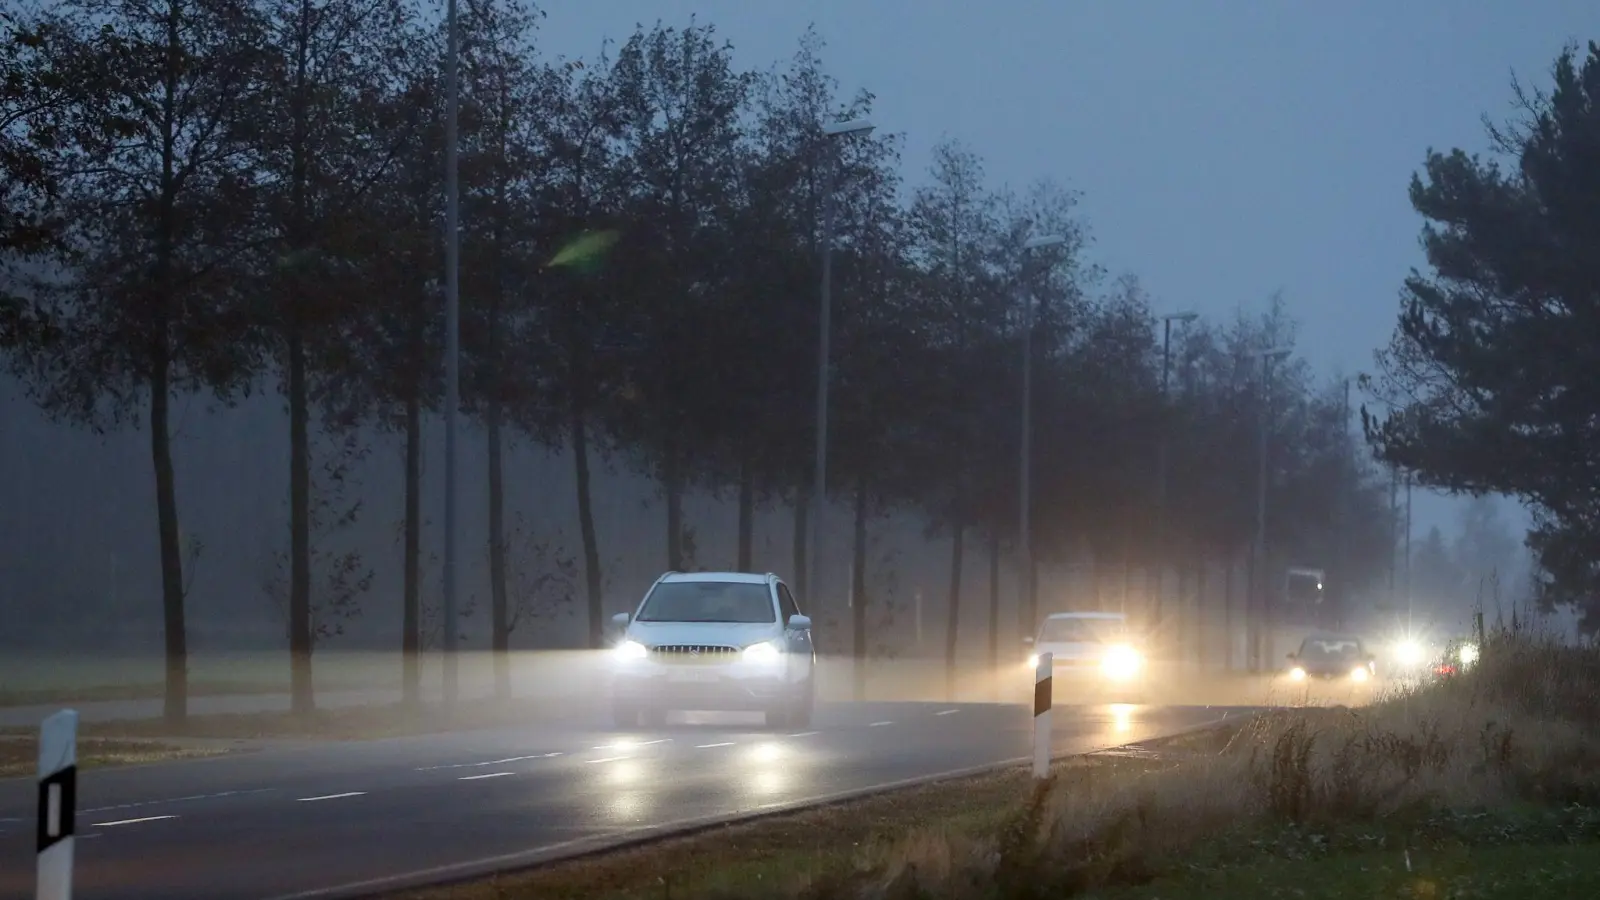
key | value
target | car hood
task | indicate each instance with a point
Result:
(732, 634)
(1070, 650)
(1323, 666)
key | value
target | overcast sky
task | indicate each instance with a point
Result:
(1225, 148)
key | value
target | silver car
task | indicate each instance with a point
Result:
(715, 641)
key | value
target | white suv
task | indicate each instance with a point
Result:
(715, 641)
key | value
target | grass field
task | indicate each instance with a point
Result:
(26, 681)
(19, 756)
(1488, 787)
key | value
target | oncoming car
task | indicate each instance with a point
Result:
(1330, 657)
(715, 641)
(1091, 651)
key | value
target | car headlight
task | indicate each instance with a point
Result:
(1033, 661)
(1121, 662)
(1409, 653)
(632, 650)
(1297, 674)
(1468, 654)
(1359, 673)
(764, 652)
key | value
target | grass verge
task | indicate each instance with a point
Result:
(19, 756)
(1485, 786)
(354, 723)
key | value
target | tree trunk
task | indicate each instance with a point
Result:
(802, 503)
(672, 482)
(1229, 561)
(747, 509)
(578, 433)
(952, 627)
(858, 590)
(175, 700)
(994, 602)
(1182, 614)
(411, 614)
(302, 698)
(500, 612)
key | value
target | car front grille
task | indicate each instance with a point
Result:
(693, 653)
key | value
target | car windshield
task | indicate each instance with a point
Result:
(1078, 631)
(709, 601)
(1330, 649)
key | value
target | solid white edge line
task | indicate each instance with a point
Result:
(711, 746)
(129, 821)
(648, 833)
(490, 775)
(879, 724)
(606, 759)
(805, 734)
(948, 712)
(332, 796)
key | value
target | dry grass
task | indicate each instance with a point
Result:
(355, 723)
(19, 756)
(1509, 754)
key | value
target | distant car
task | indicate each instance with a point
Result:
(1459, 655)
(1332, 657)
(1093, 653)
(715, 641)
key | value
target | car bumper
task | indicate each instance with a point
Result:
(702, 689)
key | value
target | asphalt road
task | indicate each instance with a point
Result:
(342, 819)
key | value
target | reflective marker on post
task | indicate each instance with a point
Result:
(58, 789)
(1042, 688)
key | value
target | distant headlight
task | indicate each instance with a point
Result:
(764, 652)
(1468, 654)
(1297, 674)
(1033, 661)
(1360, 673)
(1121, 662)
(631, 650)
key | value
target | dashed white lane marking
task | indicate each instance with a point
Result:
(879, 724)
(710, 746)
(805, 734)
(606, 759)
(948, 712)
(189, 799)
(129, 821)
(490, 775)
(332, 796)
(629, 745)
(492, 762)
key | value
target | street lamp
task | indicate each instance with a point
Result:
(1259, 622)
(452, 328)
(1161, 459)
(1025, 579)
(819, 476)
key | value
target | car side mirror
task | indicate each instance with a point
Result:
(1028, 640)
(799, 623)
(621, 619)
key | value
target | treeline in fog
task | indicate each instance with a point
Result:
(224, 221)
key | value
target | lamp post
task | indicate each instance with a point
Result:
(819, 476)
(1161, 460)
(1260, 622)
(452, 330)
(1025, 578)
